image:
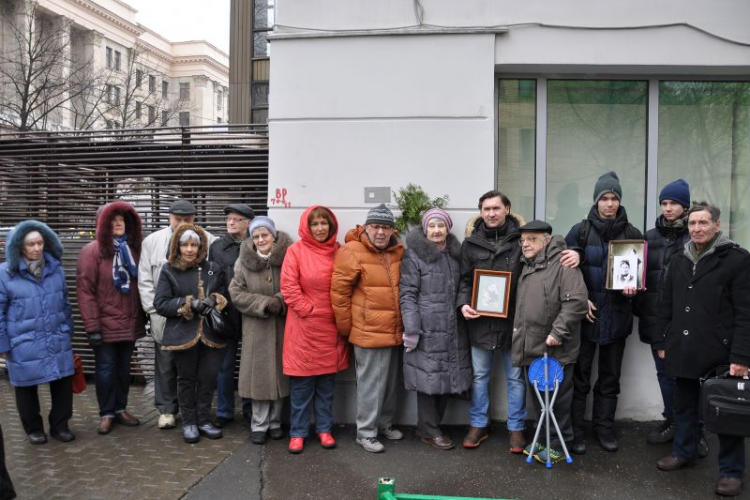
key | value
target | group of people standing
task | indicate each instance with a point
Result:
(297, 307)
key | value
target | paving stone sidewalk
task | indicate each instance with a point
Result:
(138, 462)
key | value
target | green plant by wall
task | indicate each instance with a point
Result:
(413, 201)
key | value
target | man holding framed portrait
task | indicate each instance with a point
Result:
(491, 244)
(609, 320)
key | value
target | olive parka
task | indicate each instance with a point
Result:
(427, 294)
(550, 300)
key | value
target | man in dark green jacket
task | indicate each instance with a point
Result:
(551, 302)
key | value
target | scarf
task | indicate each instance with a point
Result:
(123, 266)
(36, 267)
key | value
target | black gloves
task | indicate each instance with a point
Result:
(204, 306)
(275, 306)
(95, 339)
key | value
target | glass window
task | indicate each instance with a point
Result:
(108, 52)
(260, 116)
(151, 83)
(164, 118)
(594, 127)
(260, 95)
(704, 138)
(164, 89)
(138, 78)
(517, 143)
(261, 46)
(151, 115)
(184, 91)
(118, 60)
(184, 118)
(138, 109)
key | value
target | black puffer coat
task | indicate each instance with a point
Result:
(496, 251)
(224, 252)
(614, 315)
(427, 294)
(178, 286)
(664, 243)
(705, 310)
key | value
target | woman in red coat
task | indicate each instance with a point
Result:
(313, 350)
(106, 279)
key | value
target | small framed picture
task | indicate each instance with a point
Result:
(491, 293)
(627, 264)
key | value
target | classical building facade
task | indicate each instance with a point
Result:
(137, 77)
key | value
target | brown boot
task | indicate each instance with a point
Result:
(729, 486)
(125, 418)
(105, 425)
(517, 442)
(475, 436)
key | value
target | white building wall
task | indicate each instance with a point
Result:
(353, 108)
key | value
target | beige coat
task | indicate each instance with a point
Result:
(256, 281)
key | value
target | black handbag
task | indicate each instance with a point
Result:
(725, 403)
(216, 322)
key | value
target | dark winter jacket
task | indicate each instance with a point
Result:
(614, 316)
(36, 324)
(705, 310)
(427, 293)
(496, 251)
(550, 300)
(224, 252)
(664, 243)
(179, 285)
(117, 316)
(256, 282)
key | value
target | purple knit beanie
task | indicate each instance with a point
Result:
(436, 213)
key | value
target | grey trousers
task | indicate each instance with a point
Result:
(430, 412)
(266, 414)
(165, 381)
(377, 388)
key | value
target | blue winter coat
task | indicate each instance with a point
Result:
(36, 324)
(614, 315)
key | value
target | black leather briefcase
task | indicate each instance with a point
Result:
(725, 403)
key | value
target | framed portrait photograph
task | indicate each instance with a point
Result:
(627, 264)
(491, 293)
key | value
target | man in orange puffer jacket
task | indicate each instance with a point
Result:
(364, 294)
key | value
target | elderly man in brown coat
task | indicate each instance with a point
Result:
(551, 302)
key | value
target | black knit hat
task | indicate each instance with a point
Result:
(608, 183)
(380, 215)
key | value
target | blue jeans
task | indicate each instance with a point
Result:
(481, 364)
(666, 385)
(687, 431)
(225, 386)
(112, 376)
(307, 392)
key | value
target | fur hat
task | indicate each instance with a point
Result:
(174, 247)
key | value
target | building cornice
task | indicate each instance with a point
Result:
(209, 61)
(109, 16)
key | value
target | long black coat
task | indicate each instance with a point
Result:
(224, 252)
(480, 252)
(427, 294)
(705, 313)
(664, 243)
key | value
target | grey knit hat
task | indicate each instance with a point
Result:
(608, 183)
(380, 215)
(263, 221)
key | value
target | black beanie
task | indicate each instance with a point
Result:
(607, 183)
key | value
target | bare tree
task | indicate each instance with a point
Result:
(36, 67)
(133, 96)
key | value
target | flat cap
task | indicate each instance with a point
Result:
(240, 208)
(536, 226)
(182, 207)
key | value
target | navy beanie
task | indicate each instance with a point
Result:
(678, 191)
(607, 183)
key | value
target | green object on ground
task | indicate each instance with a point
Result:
(387, 491)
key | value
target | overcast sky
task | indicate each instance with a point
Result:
(182, 20)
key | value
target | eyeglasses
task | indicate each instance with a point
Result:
(236, 220)
(531, 240)
(378, 228)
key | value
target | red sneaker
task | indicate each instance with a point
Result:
(326, 440)
(296, 445)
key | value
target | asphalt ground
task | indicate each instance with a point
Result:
(146, 462)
